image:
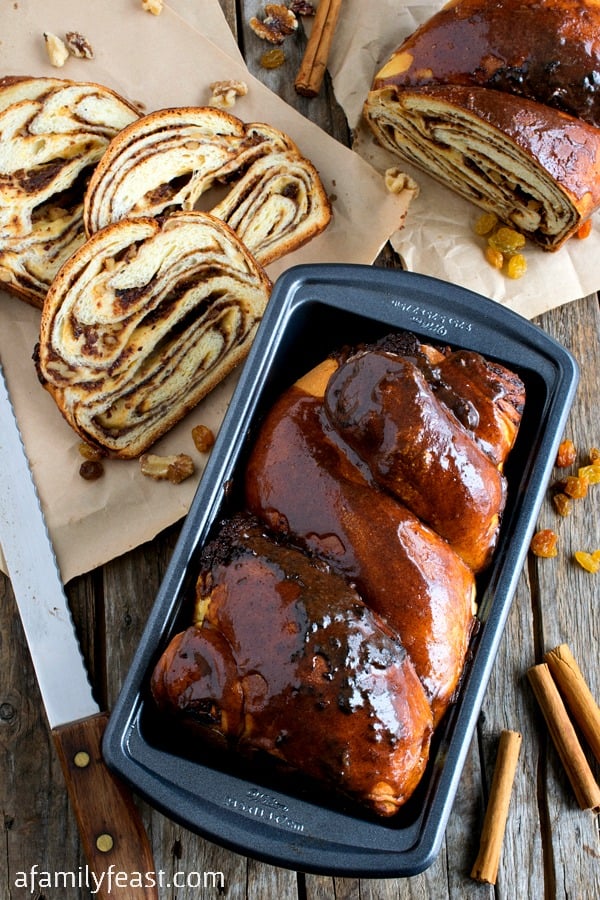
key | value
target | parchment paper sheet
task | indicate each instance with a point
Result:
(161, 61)
(438, 237)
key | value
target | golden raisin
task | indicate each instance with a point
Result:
(494, 257)
(591, 474)
(88, 452)
(595, 456)
(585, 229)
(543, 543)
(576, 487)
(203, 438)
(516, 266)
(506, 240)
(562, 504)
(588, 561)
(272, 59)
(486, 223)
(566, 455)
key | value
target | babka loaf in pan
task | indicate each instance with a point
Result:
(265, 811)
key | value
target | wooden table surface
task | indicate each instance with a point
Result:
(551, 847)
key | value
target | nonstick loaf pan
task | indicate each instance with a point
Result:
(315, 310)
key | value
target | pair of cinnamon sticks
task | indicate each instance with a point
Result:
(556, 678)
(314, 62)
(557, 684)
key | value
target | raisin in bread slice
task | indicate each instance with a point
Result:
(52, 134)
(143, 321)
(169, 160)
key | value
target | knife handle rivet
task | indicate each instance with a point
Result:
(104, 843)
(82, 759)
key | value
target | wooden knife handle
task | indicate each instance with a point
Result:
(113, 836)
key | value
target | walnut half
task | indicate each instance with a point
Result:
(279, 22)
(78, 45)
(174, 468)
(225, 93)
(56, 49)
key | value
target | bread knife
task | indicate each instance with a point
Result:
(112, 833)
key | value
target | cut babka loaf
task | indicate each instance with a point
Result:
(499, 102)
(170, 159)
(52, 134)
(143, 321)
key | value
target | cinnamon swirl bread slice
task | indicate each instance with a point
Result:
(169, 160)
(52, 134)
(143, 321)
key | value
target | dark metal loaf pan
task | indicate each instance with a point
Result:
(314, 310)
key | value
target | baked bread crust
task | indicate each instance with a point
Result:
(169, 159)
(325, 688)
(52, 134)
(143, 321)
(306, 485)
(496, 102)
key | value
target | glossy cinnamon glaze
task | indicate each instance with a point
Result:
(322, 685)
(544, 50)
(383, 407)
(497, 394)
(301, 480)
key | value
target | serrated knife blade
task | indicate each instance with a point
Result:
(112, 833)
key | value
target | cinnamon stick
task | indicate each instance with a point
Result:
(577, 695)
(485, 868)
(314, 62)
(564, 737)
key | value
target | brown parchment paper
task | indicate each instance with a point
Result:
(166, 60)
(438, 236)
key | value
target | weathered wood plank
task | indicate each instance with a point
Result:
(38, 827)
(567, 612)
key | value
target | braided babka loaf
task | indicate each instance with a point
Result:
(52, 134)
(353, 471)
(500, 103)
(169, 159)
(143, 321)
